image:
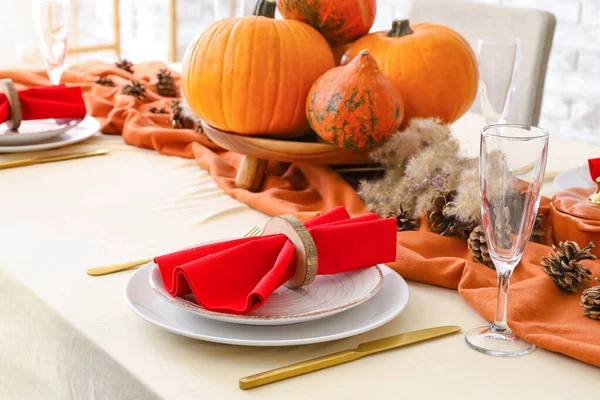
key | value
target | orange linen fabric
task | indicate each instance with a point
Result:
(304, 190)
(538, 310)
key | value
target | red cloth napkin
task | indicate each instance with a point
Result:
(237, 276)
(594, 164)
(46, 102)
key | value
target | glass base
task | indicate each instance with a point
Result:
(497, 343)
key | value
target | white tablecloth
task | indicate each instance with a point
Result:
(66, 335)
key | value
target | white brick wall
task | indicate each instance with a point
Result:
(571, 104)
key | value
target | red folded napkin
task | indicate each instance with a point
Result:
(237, 276)
(47, 102)
(594, 164)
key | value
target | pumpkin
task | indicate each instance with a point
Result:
(340, 21)
(251, 75)
(338, 53)
(354, 106)
(432, 66)
(574, 217)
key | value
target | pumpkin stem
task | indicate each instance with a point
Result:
(265, 8)
(400, 27)
(364, 52)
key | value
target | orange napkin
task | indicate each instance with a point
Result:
(538, 311)
(304, 190)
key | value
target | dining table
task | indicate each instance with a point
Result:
(67, 335)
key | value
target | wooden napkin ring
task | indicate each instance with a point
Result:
(8, 88)
(306, 249)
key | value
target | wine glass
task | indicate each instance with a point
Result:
(229, 8)
(511, 170)
(51, 22)
(498, 63)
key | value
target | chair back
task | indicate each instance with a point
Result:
(534, 28)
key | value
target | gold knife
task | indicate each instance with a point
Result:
(109, 269)
(61, 157)
(364, 349)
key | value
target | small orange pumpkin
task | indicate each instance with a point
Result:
(431, 65)
(355, 106)
(251, 75)
(340, 21)
(574, 217)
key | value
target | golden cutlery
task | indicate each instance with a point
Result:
(109, 269)
(549, 176)
(61, 157)
(364, 349)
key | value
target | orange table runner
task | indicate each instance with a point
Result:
(538, 311)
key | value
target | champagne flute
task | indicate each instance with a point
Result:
(511, 169)
(498, 63)
(51, 22)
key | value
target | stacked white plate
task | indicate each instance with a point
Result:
(46, 134)
(332, 307)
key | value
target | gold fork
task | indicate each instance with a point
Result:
(109, 269)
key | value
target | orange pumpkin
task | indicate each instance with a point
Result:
(251, 75)
(574, 217)
(338, 53)
(431, 65)
(355, 106)
(340, 21)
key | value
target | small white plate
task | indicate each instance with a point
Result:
(35, 131)
(326, 296)
(574, 177)
(86, 128)
(381, 308)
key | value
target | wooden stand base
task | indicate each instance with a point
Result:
(251, 173)
(257, 150)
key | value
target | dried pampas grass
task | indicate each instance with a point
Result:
(422, 162)
(466, 206)
(421, 133)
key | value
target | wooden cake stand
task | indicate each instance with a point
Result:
(259, 151)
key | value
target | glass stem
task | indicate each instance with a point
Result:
(503, 286)
(54, 73)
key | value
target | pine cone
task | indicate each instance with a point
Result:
(135, 88)
(166, 84)
(477, 244)
(104, 81)
(538, 234)
(125, 65)
(155, 110)
(590, 301)
(404, 220)
(565, 268)
(440, 222)
(178, 119)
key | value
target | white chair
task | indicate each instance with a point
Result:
(534, 28)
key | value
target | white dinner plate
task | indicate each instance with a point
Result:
(326, 296)
(36, 131)
(86, 128)
(574, 177)
(381, 308)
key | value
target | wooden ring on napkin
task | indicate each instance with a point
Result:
(8, 88)
(306, 249)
